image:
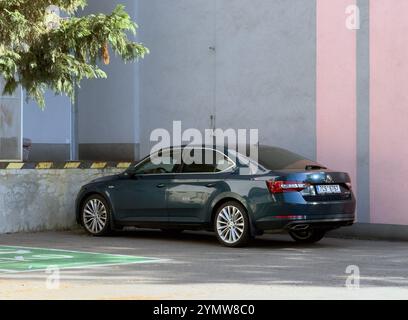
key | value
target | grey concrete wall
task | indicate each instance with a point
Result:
(266, 70)
(177, 78)
(108, 108)
(49, 127)
(36, 200)
(109, 151)
(250, 63)
(49, 152)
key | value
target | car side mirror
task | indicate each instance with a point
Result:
(130, 174)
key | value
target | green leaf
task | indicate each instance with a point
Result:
(38, 58)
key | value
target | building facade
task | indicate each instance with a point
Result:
(326, 79)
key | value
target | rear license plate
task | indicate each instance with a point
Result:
(326, 189)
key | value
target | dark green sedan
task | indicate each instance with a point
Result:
(219, 189)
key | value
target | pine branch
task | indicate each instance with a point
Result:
(37, 58)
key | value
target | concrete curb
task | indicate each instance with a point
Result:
(372, 231)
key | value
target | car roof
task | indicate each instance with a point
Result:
(228, 151)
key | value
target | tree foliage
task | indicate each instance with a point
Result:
(38, 57)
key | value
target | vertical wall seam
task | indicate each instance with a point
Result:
(363, 113)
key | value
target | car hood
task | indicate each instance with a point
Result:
(105, 179)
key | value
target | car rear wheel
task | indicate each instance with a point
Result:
(96, 216)
(231, 225)
(307, 236)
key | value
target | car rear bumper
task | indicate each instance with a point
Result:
(317, 221)
(327, 224)
(292, 209)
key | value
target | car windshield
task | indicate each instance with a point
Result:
(274, 158)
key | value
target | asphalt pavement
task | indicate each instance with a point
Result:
(193, 265)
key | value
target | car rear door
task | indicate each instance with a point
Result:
(191, 191)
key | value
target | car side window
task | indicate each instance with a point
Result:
(204, 161)
(161, 162)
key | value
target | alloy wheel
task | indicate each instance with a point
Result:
(230, 224)
(95, 216)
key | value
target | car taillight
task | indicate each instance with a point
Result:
(286, 186)
(349, 185)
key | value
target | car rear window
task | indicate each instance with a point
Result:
(274, 158)
(219, 161)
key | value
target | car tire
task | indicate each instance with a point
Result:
(308, 236)
(231, 225)
(96, 216)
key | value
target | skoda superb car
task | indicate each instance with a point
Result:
(235, 195)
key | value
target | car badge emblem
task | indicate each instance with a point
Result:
(329, 179)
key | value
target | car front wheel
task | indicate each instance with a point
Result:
(231, 225)
(307, 236)
(96, 216)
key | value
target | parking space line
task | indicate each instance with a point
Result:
(29, 259)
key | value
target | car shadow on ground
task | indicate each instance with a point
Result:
(209, 238)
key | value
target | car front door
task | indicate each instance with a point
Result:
(141, 195)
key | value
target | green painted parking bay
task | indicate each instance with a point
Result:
(23, 259)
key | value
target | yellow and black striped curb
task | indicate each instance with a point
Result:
(66, 165)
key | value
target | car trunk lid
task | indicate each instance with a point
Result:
(314, 185)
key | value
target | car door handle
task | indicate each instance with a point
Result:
(160, 185)
(210, 185)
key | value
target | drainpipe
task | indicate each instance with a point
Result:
(74, 127)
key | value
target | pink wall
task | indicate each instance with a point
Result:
(336, 88)
(389, 111)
